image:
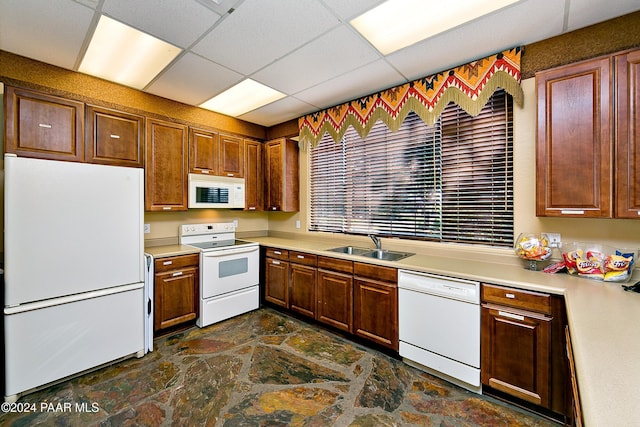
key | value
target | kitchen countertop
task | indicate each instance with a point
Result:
(170, 250)
(604, 320)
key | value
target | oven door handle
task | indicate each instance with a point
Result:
(226, 252)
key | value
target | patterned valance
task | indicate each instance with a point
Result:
(470, 86)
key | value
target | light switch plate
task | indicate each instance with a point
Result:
(555, 241)
(147, 228)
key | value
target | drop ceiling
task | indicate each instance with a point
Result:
(304, 48)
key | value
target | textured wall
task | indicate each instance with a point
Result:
(599, 39)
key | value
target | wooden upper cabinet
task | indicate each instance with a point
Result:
(203, 151)
(217, 154)
(574, 140)
(281, 175)
(627, 67)
(231, 156)
(43, 126)
(166, 166)
(113, 137)
(254, 176)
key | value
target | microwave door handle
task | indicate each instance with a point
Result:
(226, 252)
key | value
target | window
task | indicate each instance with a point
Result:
(450, 182)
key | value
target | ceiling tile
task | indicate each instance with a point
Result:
(278, 112)
(482, 37)
(329, 56)
(180, 23)
(348, 10)
(45, 30)
(587, 12)
(193, 80)
(366, 80)
(259, 32)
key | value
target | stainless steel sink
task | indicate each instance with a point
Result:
(350, 250)
(381, 254)
(387, 255)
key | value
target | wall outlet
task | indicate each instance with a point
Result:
(298, 223)
(554, 240)
(235, 223)
(147, 228)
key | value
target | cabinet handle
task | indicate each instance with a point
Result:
(44, 125)
(571, 212)
(300, 256)
(512, 296)
(253, 208)
(275, 262)
(166, 208)
(167, 263)
(230, 174)
(277, 252)
(177, 273)
(112, 136)
(205, 171)
(510, 315)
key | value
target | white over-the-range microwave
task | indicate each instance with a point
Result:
(206, 191)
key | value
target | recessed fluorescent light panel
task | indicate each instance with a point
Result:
(125, 55)
(242, 98)
(396, 24)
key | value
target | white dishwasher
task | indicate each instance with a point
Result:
(439, 326)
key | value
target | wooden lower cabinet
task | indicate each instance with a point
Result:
(516, 358)
(176, 293)
(303, 284)
(353, 297)
(276, 277)
(335, 293)
(522, 348)
(375, 304)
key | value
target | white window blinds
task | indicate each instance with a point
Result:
(452, 181)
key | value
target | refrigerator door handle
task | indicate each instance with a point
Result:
(21, 308)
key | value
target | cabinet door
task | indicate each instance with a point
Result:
(628, 135)
(113, 137)
(254, 177)
(231, 156)
(203, 151)
(574, 141)
(175, 298)
(43, 126)
(576, 409)
(302, 289)
(281, 175)
(335, 299)
(375, 312)
(516, 353)
(166, 166)
(276, 279)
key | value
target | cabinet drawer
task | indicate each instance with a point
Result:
(278, 253)
(176, 262)
(335, 264)
(517, 298)
(303, 258)
(376, 272)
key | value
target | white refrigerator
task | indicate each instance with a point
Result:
(74, 269)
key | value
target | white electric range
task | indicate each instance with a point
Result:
(229, 278)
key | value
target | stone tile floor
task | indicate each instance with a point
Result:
(261, 369)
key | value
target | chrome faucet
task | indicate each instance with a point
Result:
(377, 241)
